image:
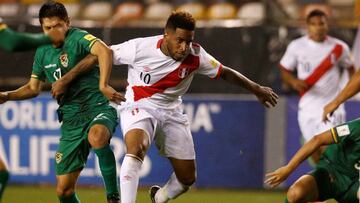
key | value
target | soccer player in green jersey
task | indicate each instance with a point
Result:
(88, 120)
(11, 41)
(336, 175)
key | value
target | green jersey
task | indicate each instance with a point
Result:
(52, 63)
(345, 154)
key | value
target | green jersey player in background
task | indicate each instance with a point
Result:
(88, 120)
(12, 41)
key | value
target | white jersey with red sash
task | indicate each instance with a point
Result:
(157, 79)
(319, 64)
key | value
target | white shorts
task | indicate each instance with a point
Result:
(169, 128)
(311, 124)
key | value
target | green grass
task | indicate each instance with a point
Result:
(46, 194)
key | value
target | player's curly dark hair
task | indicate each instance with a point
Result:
(53, 9)
(180, 19)
(316, 12)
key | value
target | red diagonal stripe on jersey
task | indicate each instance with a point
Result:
(170, 80)
(323, 67)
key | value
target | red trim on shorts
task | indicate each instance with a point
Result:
(187, 66)
(323, 67)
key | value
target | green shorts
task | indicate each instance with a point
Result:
(74, 146)
(332, 184)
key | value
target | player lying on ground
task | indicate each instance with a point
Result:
(335, 176)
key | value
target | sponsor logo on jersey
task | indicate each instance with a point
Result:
(89, 37)
(58, 157)
(50, 66)
(183, 72)
(64, 60)
(214, 63)
(343, 130)
(147, 69)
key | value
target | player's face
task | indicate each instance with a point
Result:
(317, 28)
(178, 42)
(55, 24)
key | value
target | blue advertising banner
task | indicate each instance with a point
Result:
(228, 135)
(294, 139)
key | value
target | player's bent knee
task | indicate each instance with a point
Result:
(98, 136)
(295, 194)
(188, 179)
(64, 192)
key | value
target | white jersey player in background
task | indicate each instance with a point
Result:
(318, 60)
(160, 70)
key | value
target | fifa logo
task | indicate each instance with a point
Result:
(183, 72)
(64, 60)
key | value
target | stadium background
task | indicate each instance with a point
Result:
(237, 141)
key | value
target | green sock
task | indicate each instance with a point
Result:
(286, 200)
(70, 199)
(4, 177)
(108, 169)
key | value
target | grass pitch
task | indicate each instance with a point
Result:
(46, 194)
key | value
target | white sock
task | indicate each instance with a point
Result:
(171, 190)
(129, 178)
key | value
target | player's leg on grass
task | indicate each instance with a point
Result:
(137, 143)
(180, 181)
(65, 187)
(99, 137)
(305, 189)
(4, 177)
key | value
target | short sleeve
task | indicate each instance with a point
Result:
(124, 53)
(346, 60)
(209, 66)
(349, 131)
(37, 69)
(87, 41)
(289, 60)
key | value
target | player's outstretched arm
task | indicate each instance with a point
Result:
(351, 88)
(264, 94)
(13, 41)
(29, 90)
(105, 58)
(59, 87)
(273, 179)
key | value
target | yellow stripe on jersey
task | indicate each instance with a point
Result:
(92, 43)
(89, 37)
(334, 135)
(3, 26)
(34, 76)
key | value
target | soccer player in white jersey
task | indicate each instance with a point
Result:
(318, 60)
(160, 70)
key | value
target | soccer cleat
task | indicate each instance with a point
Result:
(152, 192)
(115, 198)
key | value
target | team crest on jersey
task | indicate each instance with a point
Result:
(64, 60)
(183, 72)
(58, 157)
